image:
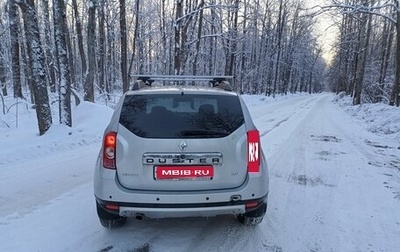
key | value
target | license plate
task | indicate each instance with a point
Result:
(184, 172)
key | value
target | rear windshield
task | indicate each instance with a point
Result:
(181, 115)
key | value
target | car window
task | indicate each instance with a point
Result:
(181, 115)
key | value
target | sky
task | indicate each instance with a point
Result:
(325, 29)
(334, 183)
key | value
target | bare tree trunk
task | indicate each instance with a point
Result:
(387, 45)
(312, 68)
(287, 69)
(48, 46)
(91, 40)
(279, 45)
(102, 47)
(135, 36)
(37, 64)
(243, 58)
(212, 42)
(341, 82)
(199, 33)
(26, 69)
(3, 73)
(141, 47)
(362, 55)
(394, 97)
(268, 50)
(165, 66)
(124, 60)
(14, 48)
(177, 35)
(81, 48)
(71, 61)
(61, 33)
(110, 62)
(234, 37)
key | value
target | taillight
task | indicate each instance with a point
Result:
(109, 147)
(253, 151)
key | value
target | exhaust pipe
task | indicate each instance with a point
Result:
(139, 216)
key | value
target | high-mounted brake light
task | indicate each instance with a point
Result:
(253, 151)
(110, 144)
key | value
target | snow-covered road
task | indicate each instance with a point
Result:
(333, 187)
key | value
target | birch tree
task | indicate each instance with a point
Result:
(36, 64)
(48, 45)
(135, 35)
(365, 23)
(178, 37)
(91, 51)
(102, 46)
(395, 95)
(232, 39)
(61, 34)
(124, 46)
(3, 71)
(79, 32)
(386, 47)
(279, 31)
(198, 39)
(13, 17)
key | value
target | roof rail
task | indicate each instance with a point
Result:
(142, 82)
(215, 81)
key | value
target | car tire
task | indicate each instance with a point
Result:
(109, 220)
(254, 217)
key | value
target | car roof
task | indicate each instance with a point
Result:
(179, 89)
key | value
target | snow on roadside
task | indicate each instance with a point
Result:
(253, 101)
(378, 118)
(89, 121)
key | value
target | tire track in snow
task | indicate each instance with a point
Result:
(328, 212)
(275, 126)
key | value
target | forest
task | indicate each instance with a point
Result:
(71, 51)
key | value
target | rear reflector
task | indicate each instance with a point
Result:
(112, 207)
(109, 148)
(251, 204)
(253, 151)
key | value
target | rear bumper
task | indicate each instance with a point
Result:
(154, 211)
(165, 204)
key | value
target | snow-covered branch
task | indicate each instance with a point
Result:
(197, 10)
(357, 8)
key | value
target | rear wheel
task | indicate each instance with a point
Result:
(254, 217)
(109, 220)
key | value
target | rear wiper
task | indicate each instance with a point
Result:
(202, 133)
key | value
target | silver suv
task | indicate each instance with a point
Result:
(180, 151)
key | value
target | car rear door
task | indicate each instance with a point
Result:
(177, 142)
